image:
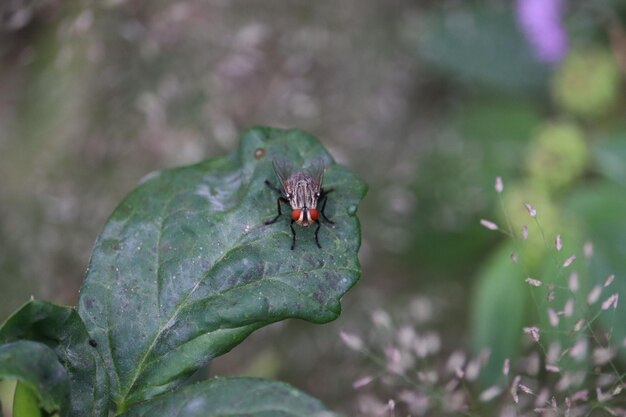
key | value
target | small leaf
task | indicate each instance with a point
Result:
(62, 330)
(185, 268)
(249, 397)
(36, 365)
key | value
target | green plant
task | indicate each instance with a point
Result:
(184, 270)
(562, 359)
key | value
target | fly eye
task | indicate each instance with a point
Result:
(295, 214)
(313, 214)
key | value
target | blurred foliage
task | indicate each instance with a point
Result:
(557, 155)
(498, 309)
(602, 208)
(470, 44)
(428, 101)
(609, 156)
(587, 83)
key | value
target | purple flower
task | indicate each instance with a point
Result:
(540, 22)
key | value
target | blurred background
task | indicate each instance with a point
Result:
(427, 101)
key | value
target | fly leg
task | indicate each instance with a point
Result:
(317, 229)
(293, 234)
(281, 199)
(324, 199)
(271, 187)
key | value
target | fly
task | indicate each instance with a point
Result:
(302, 190)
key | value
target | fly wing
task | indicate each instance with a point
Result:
(315, 169)
(284, 170)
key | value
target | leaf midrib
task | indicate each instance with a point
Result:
(273, 279)
(163, 219)
(176, 311)
(142, 363)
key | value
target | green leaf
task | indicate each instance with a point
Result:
(496, 132)
(609, 157)
(250, 397)
(25, 402)
(36, 365)
(62, 330)
(480, 44)
(601, 209)
(185, 268)
(497, 312)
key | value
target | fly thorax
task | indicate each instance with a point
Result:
(303, 195)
